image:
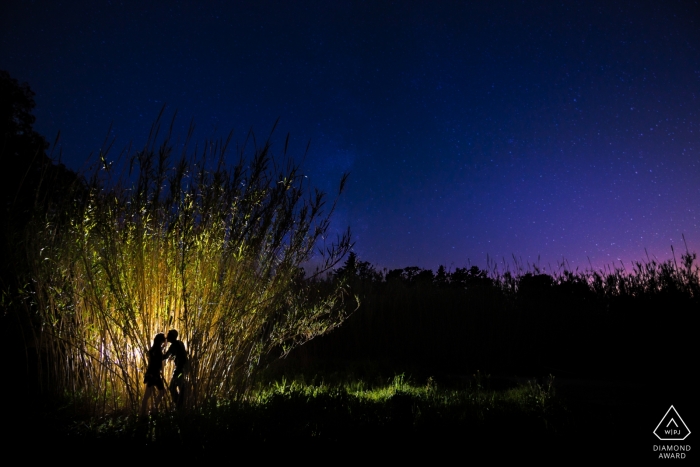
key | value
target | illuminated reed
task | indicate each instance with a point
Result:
(212, 251)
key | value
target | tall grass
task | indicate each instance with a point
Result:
(192, 244)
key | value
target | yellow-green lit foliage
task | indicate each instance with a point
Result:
(210, 250)
(524, 397)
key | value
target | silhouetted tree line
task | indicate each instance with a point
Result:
(610, 323)
(31, 184)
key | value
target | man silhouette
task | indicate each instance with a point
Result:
(177, 382)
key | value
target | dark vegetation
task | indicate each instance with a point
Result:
(447, 330)
(282, 417)
(30, 182)
(618, 323)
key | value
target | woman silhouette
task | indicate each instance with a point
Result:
(153, 377)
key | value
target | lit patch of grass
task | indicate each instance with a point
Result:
(290, 409)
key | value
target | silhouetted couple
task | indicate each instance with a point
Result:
(154, 377)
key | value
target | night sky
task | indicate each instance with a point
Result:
(536, 129)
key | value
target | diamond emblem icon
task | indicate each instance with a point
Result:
(671, 427)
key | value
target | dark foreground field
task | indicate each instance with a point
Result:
(477, 417)
(620, 351)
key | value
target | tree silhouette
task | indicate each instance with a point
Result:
(22, 150)
(29, 180)
(353, 269)
(29, 184)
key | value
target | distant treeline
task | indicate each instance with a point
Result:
(614, 323)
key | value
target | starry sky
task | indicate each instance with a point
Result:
(543, 130)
